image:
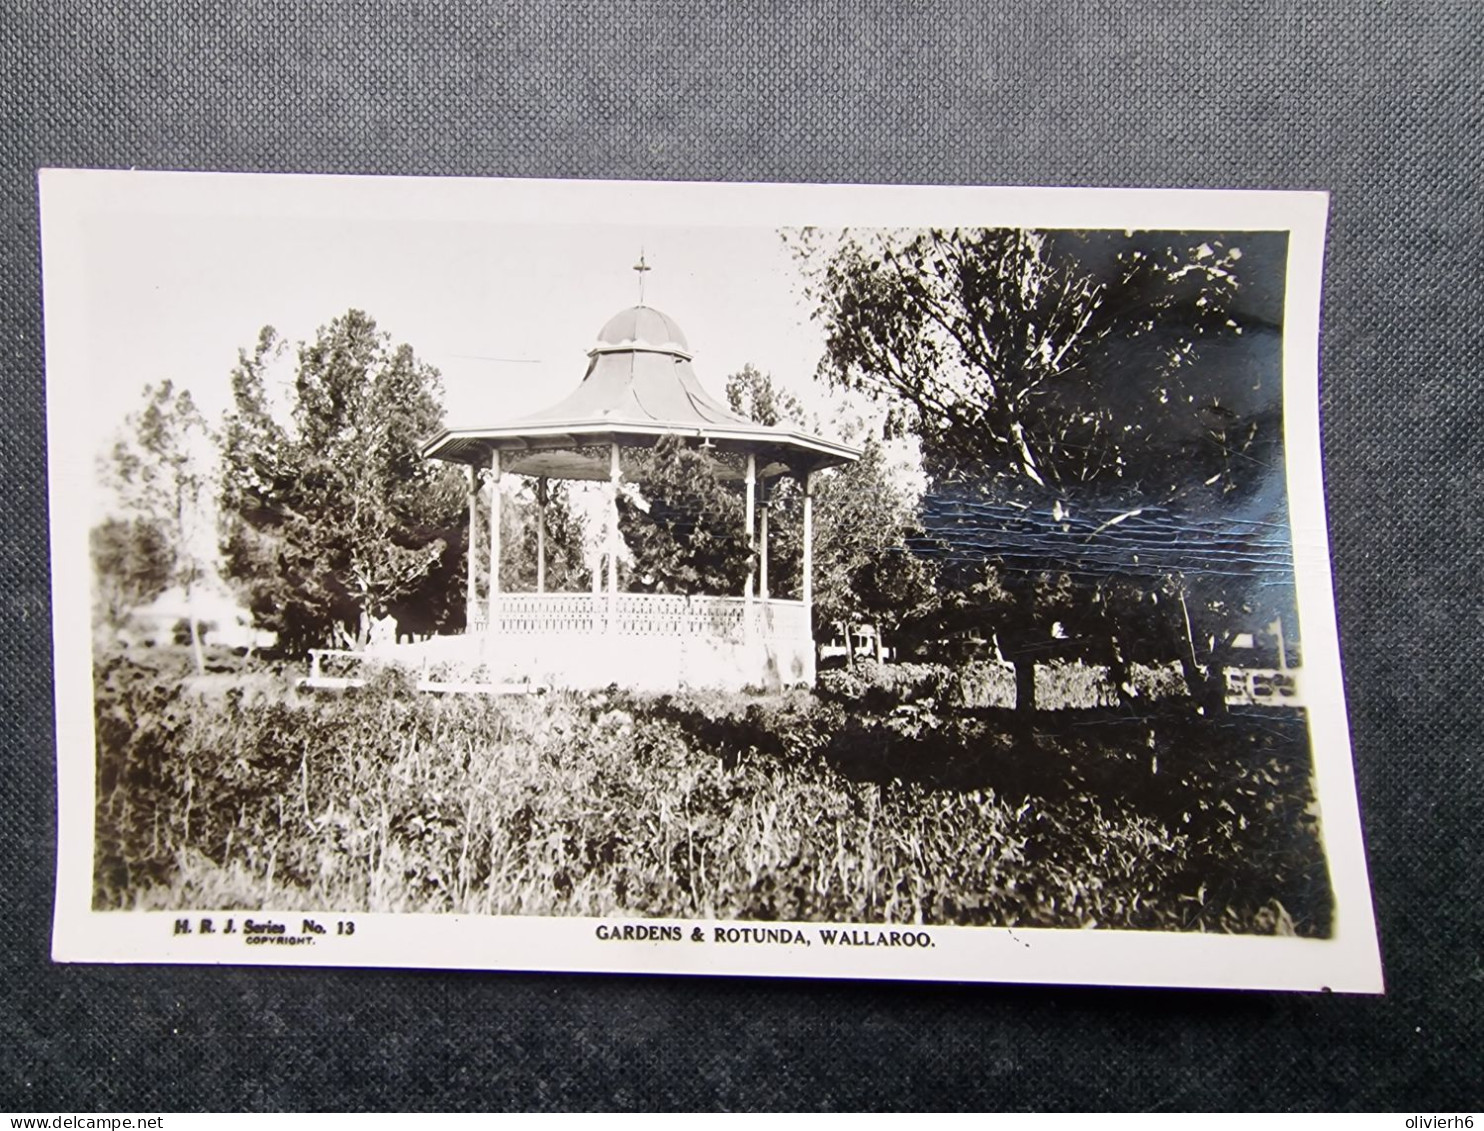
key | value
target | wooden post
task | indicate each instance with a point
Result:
(471, 581)
(541, 535)
(494, 616)
(613, 477)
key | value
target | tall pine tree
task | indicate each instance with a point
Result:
(335, 518)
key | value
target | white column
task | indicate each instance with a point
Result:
(807, 569)
(494, 540)
(613, 476)
(471, 581)
(763, 549)
(541, 535)
(751, 522)
(808, 564)
(747, 612)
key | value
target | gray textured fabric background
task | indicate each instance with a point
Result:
(1378, 102)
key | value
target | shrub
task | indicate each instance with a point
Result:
(1162, 681)
(1072, 683)
(883, 687)
(983, 683)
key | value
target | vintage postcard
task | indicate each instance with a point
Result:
(810, 581)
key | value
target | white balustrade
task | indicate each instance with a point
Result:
(784, 620)
(547, 613)
(648, 614)
(652, 641)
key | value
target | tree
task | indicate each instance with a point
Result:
(1043, 363)
(1026, 613)
(336, 517)
(566, 569)
(896, 590)
(864, 570)
(684, 528)
(163, 471)
(131, 567)
(751, 393)
(1201, 616)
(566, 562)
(1065, 371)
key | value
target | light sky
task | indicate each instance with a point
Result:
(502, 285)
(506, 312)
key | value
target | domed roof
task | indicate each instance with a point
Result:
(642, 328)
(639, 386)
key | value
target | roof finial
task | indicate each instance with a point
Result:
(642, 268)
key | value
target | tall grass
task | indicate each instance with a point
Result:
(789, 807)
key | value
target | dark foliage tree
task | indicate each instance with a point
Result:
(751, 393)
(1114, 626)
(1200, 617)
(566, 568)
(335, 516)
(684, 527)
(1026, 615)
(896, 591)
(1043, 363)
(1195, 619)
(162, 469)
(131, 567)
(1057, 370)
(863, 569)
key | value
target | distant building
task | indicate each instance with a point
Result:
(219, 619)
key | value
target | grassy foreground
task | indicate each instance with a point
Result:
(792, 807)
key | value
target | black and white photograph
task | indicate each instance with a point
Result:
(785, 580)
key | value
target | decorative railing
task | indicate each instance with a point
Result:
(544, 613)
(646, 614)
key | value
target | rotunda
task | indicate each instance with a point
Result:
(640, 386)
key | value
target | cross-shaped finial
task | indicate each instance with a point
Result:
(642, 268)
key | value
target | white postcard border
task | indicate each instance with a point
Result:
(1349, 961)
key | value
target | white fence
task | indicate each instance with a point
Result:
(646, 614)
(1263, 687)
